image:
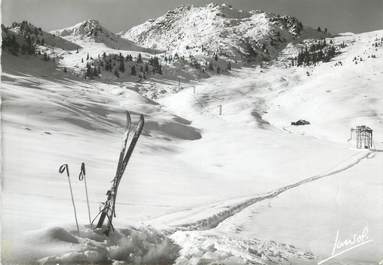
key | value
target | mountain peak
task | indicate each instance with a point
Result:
(90, 24)
(217, 29)
(91, 31)
(91, 21)
(90, 28)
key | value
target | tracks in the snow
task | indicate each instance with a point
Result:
(214, 220)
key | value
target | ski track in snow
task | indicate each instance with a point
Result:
(216, 219)
(146, 245)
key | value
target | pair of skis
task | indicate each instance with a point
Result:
(109, 207)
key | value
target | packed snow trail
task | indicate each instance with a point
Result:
(214, 220)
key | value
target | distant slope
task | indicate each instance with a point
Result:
(338, 95)
(91, 31)
(219, 29)
(24, 32)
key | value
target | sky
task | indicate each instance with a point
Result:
(118, 15)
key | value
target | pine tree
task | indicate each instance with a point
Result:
(45, 57)
(139, 58)
(14, 46)
(88, 70)
(133, 70)
(211, 67)
(30, 48)
(116, 73)
(23, 49)
(110, 65)
(122, 66)
(300, 27)
(95, 72)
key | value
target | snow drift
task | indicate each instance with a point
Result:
(59, 245)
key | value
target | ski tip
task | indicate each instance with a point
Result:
(128, 118)
(142, 121)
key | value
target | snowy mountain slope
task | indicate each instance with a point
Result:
(196, 171)
(348, 203)
(24, 30)
(219, 29)
(91, 31)
(276, 96)
(102, 51)
(333, 96)
(337, 95)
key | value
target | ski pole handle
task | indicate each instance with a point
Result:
(64, 167)
(81, 176)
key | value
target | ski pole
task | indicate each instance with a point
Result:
(63, 168)
(82, 176)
